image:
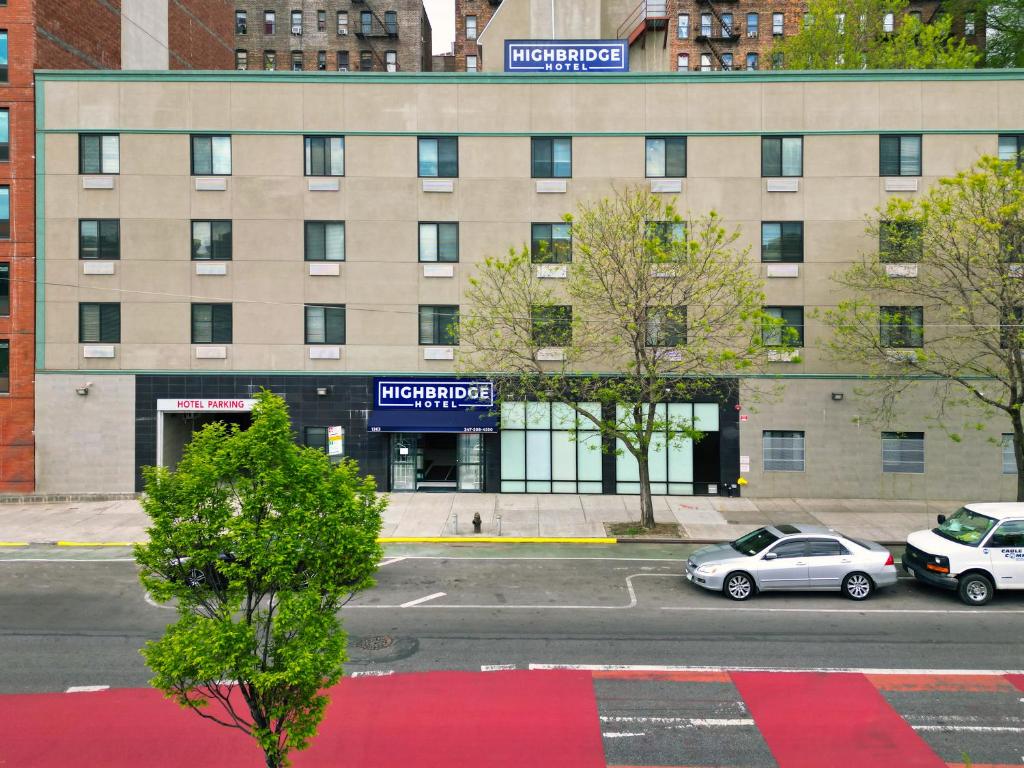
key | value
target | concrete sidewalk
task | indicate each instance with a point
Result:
(427, 515)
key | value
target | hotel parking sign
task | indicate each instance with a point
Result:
(566, 56)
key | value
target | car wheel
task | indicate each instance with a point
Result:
(738, 586)
(975, 589)
(195, 578)
(858, 586)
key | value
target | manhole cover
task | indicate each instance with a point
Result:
(375, 643)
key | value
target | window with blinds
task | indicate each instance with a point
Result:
(211, 323)
(783, 450)
(5, 213)
(1009, 460)
(439, 324)
(99, 153)
(901, 327)
(325, 323)
(211, 241)
(325, 241)
(900, 155)
(788, 330)
(1011, 148)
(551, 157)
(99, 323)
(439, 157)
(782, 156)
(439, 241)
(551, 243)
(665, 157)
(211, 155)
(325, 155)
(5, 289)
(782, 241)
(99, 239)
(903, 452)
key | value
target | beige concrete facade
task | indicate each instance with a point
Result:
(381, 199)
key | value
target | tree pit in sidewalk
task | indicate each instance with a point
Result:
(634, 530)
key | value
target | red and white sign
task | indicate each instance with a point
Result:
(744, 417)
(190, 405)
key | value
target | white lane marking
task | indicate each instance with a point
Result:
(696, 722)
(373, 673)
(419, 600)
(391, 560)
(969, 728)
(621, 734)
(617, 559)
(87, 688)
(943, 611)
(496, 667)
(149, 599)
(860, 670)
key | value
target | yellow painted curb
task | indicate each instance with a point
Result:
(95, 543)
(13, 543)
(491, 540)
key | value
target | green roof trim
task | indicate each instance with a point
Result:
(490, 78)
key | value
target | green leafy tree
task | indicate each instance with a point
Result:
(652, 311)
(856, 34)
(259, 542)
(1004, 22)
(960, 320)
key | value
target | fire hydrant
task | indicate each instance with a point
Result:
(476, 523)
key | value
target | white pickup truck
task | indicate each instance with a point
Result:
(975, 551)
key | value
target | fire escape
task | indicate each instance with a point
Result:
(371, 28)
(723, 29)
(648, 16)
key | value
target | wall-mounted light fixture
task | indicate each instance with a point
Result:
(84, 389)
(321, 391)
(837, 396)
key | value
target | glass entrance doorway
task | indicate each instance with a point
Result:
(436, 461)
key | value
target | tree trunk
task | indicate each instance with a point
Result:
(1018, 450)
(273, 760)
(646, 503)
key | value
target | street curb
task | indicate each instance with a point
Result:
(430, 540)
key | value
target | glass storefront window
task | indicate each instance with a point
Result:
(670, 462)
(548, 448)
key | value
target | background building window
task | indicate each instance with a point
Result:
(5, 288)
(342, 61)
(211, 155)
(211, 241)
(99, 323)
(99, 153)
(439, 158)
(782, 156)
(752, 61)
(705, 62)
(726, 62)
(241, 26)
(783, 450)
(551, 243)
(3, 55)
(321, 60)
(782, 241)
(903, 452)
(789, 331)
(900, 155)
(325, 241)
(471, 27)
(270, 60)
(391, 22)
(366, 23)
(366, 61)
(777, 23)
(1009, 460)
(211, 323)
(241, 60)
(5, 135)
(1011, 148)
(325, 323)
(269, 22)
(439, 324)
(705, 25)
(777, 60)
(5, 367)
(316, 437)
(752, 25)
(325, 155)
(727, 28)
(296, 61)
(549, 448)
(666, 327)
(683, 28)
(552, 326)
(471, 64)
(439, 241)
(552, 158)
(342, 23)
(321, 21)
(296, 22)
(901, 327)
(683, 62)
(99, 239)
(5, 213)
(391, 61)
(669, 235)
(887, 22)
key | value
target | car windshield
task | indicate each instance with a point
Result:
(965, 527)
(754, 542)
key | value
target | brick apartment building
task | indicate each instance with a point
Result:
(311, 35)
(68, 34)
(664, 35)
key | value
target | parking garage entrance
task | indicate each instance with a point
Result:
(177, 419)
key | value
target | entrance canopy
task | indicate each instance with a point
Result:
(432, 421)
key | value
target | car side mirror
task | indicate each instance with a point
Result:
(941, 519)
(771, 556)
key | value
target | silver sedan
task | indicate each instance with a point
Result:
(792, 557)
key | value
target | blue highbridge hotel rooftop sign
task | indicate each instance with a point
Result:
(566, 56)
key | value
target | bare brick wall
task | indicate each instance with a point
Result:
(483, 10)
(17, 451)
(78, 34)
(200, 34)
(412, 44)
